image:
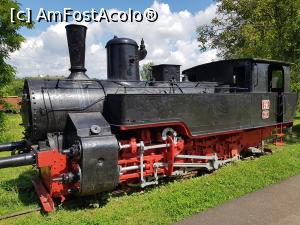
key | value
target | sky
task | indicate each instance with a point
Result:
(170, 39)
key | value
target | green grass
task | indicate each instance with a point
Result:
(162, 205)
(11, 129)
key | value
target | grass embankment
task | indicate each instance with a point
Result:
(164, 204)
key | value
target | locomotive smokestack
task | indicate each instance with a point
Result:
(76, 41)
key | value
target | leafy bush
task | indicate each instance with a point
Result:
(13, 88)
(10, 129)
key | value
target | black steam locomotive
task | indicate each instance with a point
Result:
(87, 136)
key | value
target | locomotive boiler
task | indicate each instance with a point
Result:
(87, 136)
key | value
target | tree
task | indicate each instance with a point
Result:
(13, 88)
(146, 71)
(255, 28)
(10, 39)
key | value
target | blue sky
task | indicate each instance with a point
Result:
(170, 39)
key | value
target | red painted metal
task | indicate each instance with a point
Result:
(171, 155)
(44, 196)
(278, 136)
(226, 145)
(52, 165)
(183, 129)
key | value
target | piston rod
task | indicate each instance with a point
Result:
(125, 146)
(129, 168)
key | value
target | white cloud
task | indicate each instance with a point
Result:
(171, 39)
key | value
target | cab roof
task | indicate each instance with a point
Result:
(226, 61)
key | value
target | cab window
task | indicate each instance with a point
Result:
(239, 78)
(276, 78)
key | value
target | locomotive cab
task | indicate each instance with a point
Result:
(252, 75)
(273, 77)
(246, 75)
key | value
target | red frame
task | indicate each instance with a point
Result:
(226, 145)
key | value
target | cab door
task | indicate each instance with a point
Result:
(276, 84)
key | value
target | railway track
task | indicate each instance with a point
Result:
(19, 213)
